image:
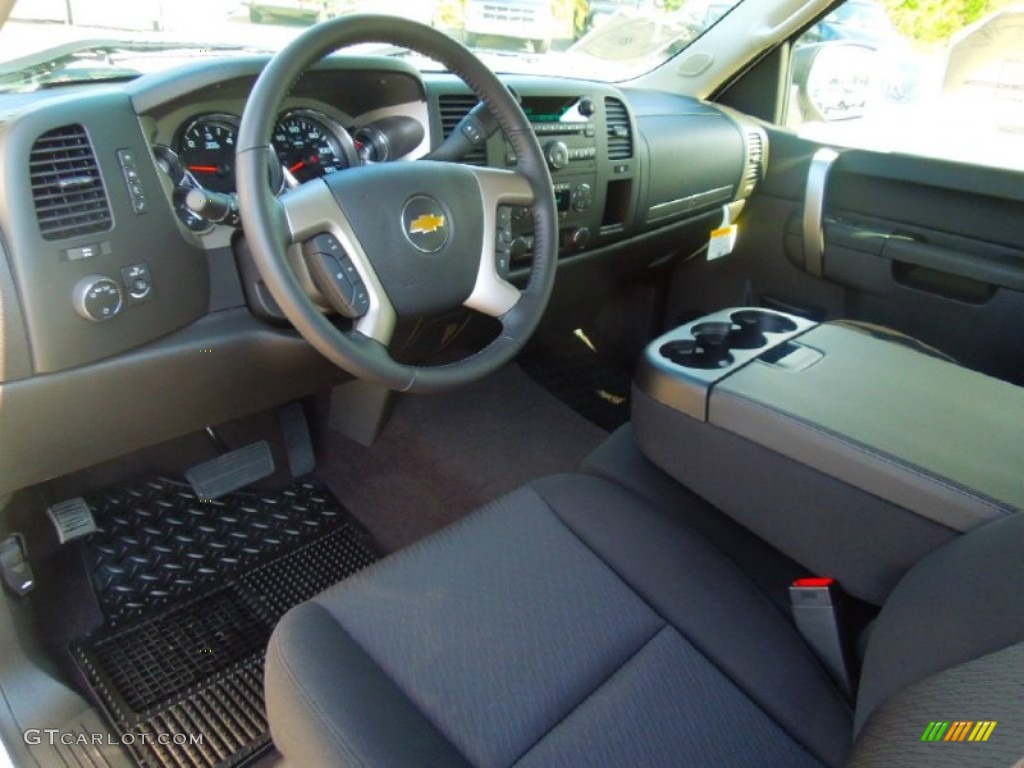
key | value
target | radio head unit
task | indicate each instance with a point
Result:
(561, 115)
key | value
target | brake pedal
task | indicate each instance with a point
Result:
(230, 472)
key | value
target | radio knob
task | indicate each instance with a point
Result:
(580, 238)
(587, 107)
(557, 154)
(582, 197)
(97, 298)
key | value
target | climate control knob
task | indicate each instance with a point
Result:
(580, 238)
(97, 298)
(582, 197)
(557, 154)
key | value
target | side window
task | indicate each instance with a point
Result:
(943, 79)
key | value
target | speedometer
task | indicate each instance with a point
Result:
(310, 145)
(207, 150)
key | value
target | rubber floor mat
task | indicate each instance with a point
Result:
(192, 592)
(157, 542)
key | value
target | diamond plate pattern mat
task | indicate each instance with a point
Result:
(157, 542)
(191, 592)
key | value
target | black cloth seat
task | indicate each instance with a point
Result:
(569, 623)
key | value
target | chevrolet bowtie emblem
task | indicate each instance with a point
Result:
(426, 224)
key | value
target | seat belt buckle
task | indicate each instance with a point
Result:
(817, 605)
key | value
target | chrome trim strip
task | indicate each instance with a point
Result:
(684, 204)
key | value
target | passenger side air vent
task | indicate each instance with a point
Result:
(754, 170)
(620, 136)
(454, 107)
(66, 185)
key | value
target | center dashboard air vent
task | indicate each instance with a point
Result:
(67, 187)
(620, 135)
(454, 107)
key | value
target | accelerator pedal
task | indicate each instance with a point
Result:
(230, 472)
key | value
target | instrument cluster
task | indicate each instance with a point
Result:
(308, 144)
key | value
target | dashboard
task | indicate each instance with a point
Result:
(116, 282)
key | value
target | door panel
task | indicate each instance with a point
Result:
(931, 248)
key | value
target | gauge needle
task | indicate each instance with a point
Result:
(203, 168)
(298, 166)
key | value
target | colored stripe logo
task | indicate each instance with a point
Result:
(959, 730)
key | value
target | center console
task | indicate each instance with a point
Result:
(853, 454)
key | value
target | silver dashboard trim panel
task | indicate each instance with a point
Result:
(814, 210)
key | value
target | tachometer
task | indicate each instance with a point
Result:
(207, 150)
(310, 145)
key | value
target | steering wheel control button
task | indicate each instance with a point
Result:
(474, 131)
(336, 277)
(326, 244)
(137, 283)
(425, 224)
(360, 300)
(502, 263)
(503, 241)
(97, 298)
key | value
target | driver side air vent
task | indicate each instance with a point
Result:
(754, 170)
(454, 107)
(620, 136)
(67, 187)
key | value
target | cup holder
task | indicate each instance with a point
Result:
(682, 368)
(709, 348)
(755, 321)
(713, 341)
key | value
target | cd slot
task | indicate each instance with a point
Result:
(564, 129)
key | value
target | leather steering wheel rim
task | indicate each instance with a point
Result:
(271, 232)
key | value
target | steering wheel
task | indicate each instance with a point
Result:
(394, 240)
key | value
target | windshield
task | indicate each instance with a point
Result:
(49, 42)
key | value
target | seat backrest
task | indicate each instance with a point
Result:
(948, 646)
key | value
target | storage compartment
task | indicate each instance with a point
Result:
(854, 455)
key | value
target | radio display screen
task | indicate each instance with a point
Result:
(553, 109)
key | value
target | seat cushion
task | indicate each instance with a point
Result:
(567, 621)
